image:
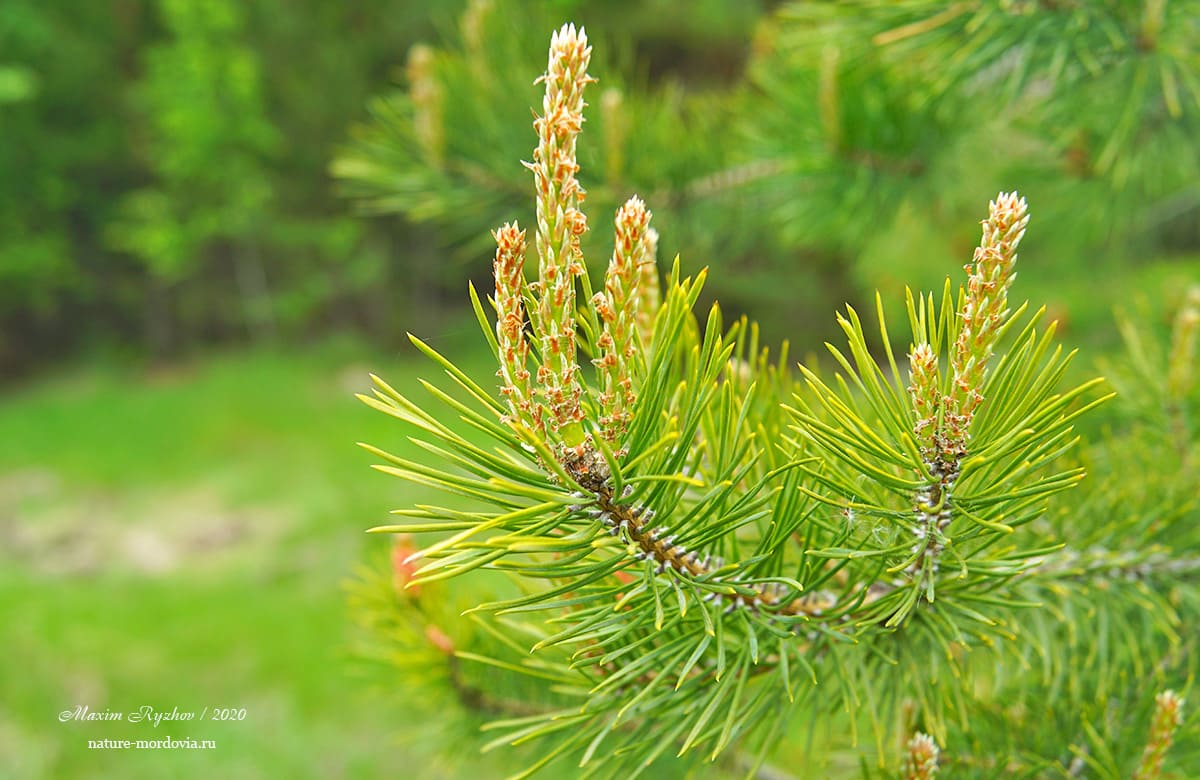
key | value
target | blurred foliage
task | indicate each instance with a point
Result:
(162, 170)
(849, 148)
(208, 145)
(443, 149)
(1092, 109)
(166, 164)
(59, 124)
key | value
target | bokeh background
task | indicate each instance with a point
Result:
(216, 216)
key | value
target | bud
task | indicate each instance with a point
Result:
(612, 113)
(560, 224)
(983, 313)
(509, 269)
(438, 639)
(1168, 715)
(926, 398)
(426, 95)
(648, 291)
(473, 23)
(617, 310)
(403, 570)
(920, 758)
(1181, 359)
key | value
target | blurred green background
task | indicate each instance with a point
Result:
(217, 216)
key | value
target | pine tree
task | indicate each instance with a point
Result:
(697, 555)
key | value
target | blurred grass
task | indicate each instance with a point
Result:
(177, 537)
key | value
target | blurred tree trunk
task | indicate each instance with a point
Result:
(257, 307)
(157, 322)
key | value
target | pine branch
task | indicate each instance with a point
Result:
(693, 556)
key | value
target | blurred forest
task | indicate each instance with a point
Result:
(163, 169)
(184, 172)
(164, 166)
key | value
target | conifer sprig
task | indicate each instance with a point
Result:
(695, 557)
(935, 444)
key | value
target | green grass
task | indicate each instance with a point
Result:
(178, 537)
